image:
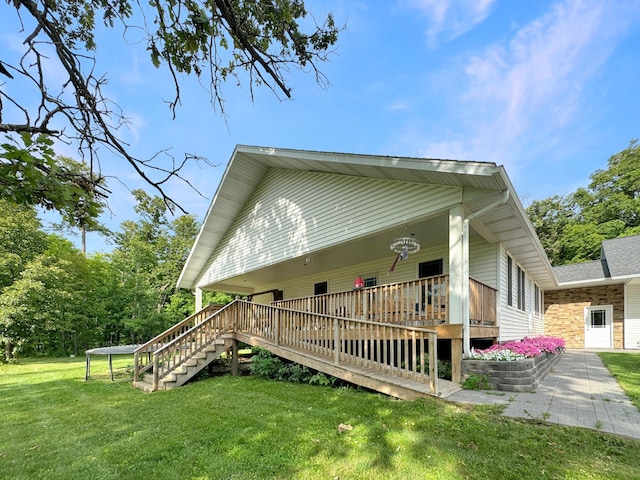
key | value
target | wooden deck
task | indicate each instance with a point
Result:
(383, 338)
(393, 359)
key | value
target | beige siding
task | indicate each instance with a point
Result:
(632, 316)
(564, 312)
(292, 213)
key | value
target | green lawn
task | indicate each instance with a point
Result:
(625, 367)
(54, 425)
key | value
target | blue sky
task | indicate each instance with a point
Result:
(548, 89)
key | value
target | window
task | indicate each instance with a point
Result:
(370, 282)
(517, 285)
(521, 289)
(537, 299)
(430, 269)
(598, 319)
(509, 281)
(320, 288)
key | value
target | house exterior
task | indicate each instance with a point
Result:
(287, 224)
(597, 304)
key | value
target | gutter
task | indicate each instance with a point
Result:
(466, 338)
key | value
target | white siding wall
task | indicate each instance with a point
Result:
(292, 213)
(482, 267)
(340, 280)
(515, 323)
(632, 315)
(482, 261)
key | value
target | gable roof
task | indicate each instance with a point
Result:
(249, 164)
(619, 260)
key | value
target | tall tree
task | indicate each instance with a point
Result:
(255, 42)
(31, 174)
(21, 240)
(148, 256)
(572, 228)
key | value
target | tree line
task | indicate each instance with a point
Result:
(56, 301)
(572, 227)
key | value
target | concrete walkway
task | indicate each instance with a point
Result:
(578, 391)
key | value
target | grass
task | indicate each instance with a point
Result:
(55, 425)
(625, 367)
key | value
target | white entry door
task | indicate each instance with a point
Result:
(598, 327)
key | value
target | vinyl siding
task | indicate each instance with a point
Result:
(515, 323)
(292, 213)
(482, 261)
(482, 267)
(340, 280)
(632, 315)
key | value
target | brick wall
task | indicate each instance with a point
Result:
(564, 312)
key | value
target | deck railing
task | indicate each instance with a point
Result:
(143, 354)
(422, 302)
(482, 304)
(401, 351)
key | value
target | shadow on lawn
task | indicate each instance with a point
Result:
(245, 427)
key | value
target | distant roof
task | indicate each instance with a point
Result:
(619, 259)
(580, 272)
(622, 256)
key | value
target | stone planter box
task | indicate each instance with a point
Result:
(516, 376)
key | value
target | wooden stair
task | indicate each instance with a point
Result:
(187, 370)
(337, 346)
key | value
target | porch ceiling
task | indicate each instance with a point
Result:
(431, 232)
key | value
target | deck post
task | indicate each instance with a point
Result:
(156, 365)
(433, 363)
(235, 366)
(136, 373)
(456, 360)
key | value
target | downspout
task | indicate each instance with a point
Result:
(466, 337)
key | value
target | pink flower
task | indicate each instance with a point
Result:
(529, 347)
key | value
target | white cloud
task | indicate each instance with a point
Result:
(523, 94)
(452, 18)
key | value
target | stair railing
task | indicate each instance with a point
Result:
(175, 353)
(143, 354)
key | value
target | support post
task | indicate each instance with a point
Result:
(235, 366)
(433, 363)
(136, 374)
(456, 360)
(198, 295)
(456, 266)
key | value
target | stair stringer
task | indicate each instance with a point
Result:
(189, 368)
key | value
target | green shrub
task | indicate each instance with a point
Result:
(444, 367)
(266, 365)
(476, 382)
